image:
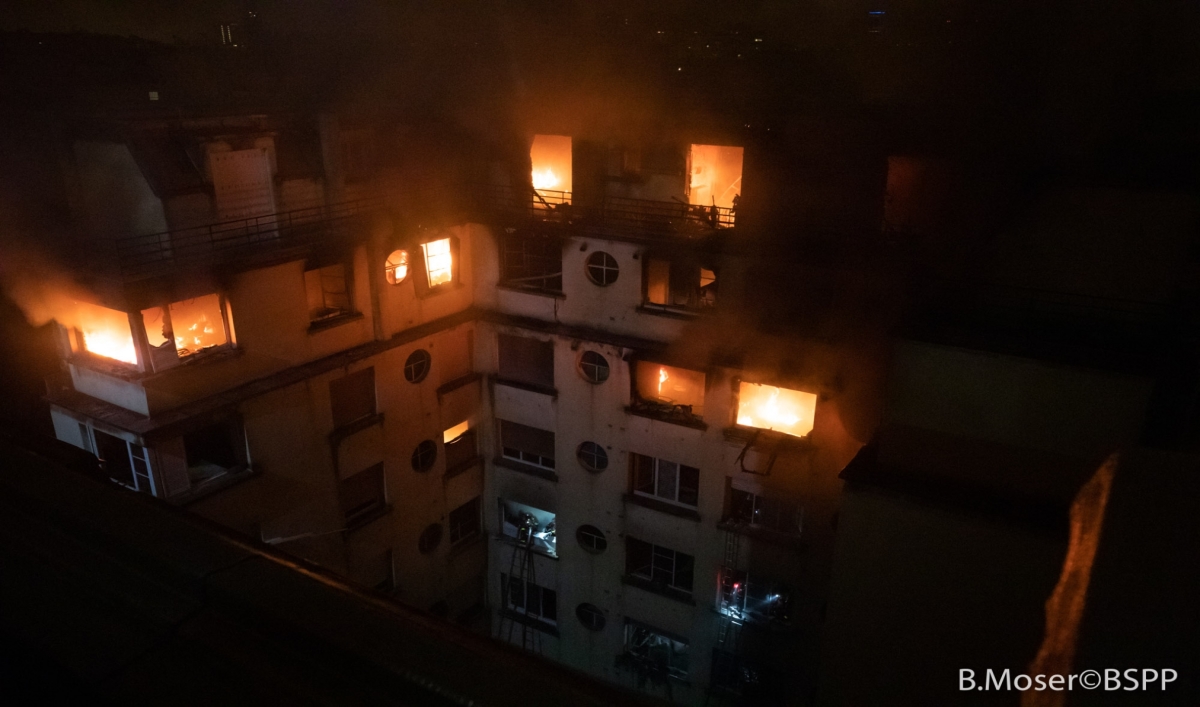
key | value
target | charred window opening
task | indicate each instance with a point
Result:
(530, 600)
(669, 393)
(714, 184)
(665, 480)
(460, 446)
(525, 360)
(528, 525)
(654, 652)
(363, 496)
(749, 597)
(395, 268)
(525, 444)
(550, 157)
(531, 262)
(680, 283)
(464, 522)
(126, 463)
(214, 450)
(771, 513)
(328, 292)
(663, 569)
(183, 329)
(768, 407)
(352, 397)
(104, 332)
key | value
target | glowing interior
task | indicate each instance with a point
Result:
(396, 267)
(551, 159)
(106, 332)
(771, 408)
(196, 324)
(437, 261)
(715, 175)
(455, 432)
(669, 385)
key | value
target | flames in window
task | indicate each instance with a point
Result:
(780, 409)
(551, 159)
(715, 175)
(105, 332)
(437, 261)
(395, 269)
(191, 325)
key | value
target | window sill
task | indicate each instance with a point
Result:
(742, 434)
(691, 421)
(656, 588)
(368, 518)
(660, 310)
(463, 467)
(426, 292)
(214, 485)
(662, 506)
(533, 623)
(547, 474)
(554, 294)
(331, 322)
(452, 385)
(774, 537)
(341, 433)
(521, 385)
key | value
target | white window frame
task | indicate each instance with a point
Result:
(657, 470)
(506, 591)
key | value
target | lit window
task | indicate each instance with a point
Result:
(105, 332)
(602, 268)
(680, 283)
(186, 328)
(715, 180)
(594, 367)
(669, 391)
(437, 261)
(529, 525)
(550, 157)
(395, 269)
(450, 435)
(771, 408)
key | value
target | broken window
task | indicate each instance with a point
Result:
(126, 463)
(665, 480)
(328, 292)
(529, 525)
(550, 157)
(395, 268)
(669, 392)
(362, 495)
(531, 262)
(662, 567)
(464, 522)
(186, 328)
(764, 512)
(352, 397)
(681, 283)
(655, 651)
(749, 597)
(714, 183)
(460, 446)
(770, 408)
(104, 332)
(214, 450)
(530, 600)
(526, 444)
(526, 360)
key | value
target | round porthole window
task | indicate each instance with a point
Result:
(424, 455)
(592, 456)
(594, 367)
(591, 616)
(416, 366)
(591, 539)
(430, 538)
(602, 268)
(395, 269)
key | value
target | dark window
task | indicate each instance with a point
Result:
(591, 539)
(591, 616)
(424, 455)
(661, 566)
(526, 444)
(531, 262)
(532, 600)
(602, 268)
(352, 397)
(592, 456)
(464, 522)
(114, 452)
(681, 283)
(430, 538)
(362, 495)
(461, 450)
(763, 511)
(328, 292)
(655, 650)
(213, 450)
(594, 367)
(526, 360)
(416, 366)
(676, 483)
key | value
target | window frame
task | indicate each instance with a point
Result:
(598, 542)
(473, 522)
(410, 365)
(582, 456)
(364, 513)
(419, 452)
(641, 463)
(604, 268)
(524, 456)
(673, 643)
(601, 368)
(342, 383)
(529, 589)
(330, 314)
(664, 568)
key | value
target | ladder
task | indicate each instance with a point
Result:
(727, 649)
(522, 574)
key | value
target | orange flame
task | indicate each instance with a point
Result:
(662, 378)
(106, 332)
(771, 408)
(438, 261)
(544, 179)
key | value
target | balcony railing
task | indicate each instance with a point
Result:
(252, 239)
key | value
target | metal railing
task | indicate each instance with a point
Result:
(238, 240)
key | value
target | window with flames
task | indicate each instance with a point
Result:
(768, 407)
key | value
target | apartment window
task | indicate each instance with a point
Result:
(529, 525)
(460, 448)
(715, 180)
(526, 444)
(764, 512)
(592, 456)
(680, 283)
(464, 522)
(328, 291)
(591, 539)
(430, 538)
(750, 597)
(529, 599)
(424, 455)
(352, 397)
(214, 450)
(662, 567)
(362, 495)
(105, 332)
(526, 360)
(594, 367)
(395, 268)
(665, 480)
(602, 268)
(417, 366)
(438, 262)
(531, 262)
(656, 650)
(591, 616)
(126, 463)
(185, 328)
(669, 392)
